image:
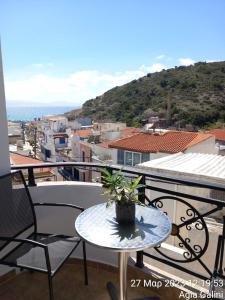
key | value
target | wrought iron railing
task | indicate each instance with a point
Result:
(190, 218)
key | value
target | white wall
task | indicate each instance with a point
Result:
(4, 146)
(75, 148)
(114, 156)
(110, 135)
(207, 146)
(158, 155)
(74, 124)
(101, 152)
(111, 126)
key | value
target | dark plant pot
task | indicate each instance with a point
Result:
(125, 214)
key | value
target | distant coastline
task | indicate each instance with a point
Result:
(29, 113)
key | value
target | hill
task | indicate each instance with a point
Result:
(197, 94)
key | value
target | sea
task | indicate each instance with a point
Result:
(29, 113)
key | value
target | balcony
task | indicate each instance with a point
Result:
(69, 284)
(61, 146)
(186, 259)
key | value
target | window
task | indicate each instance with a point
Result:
(128, 158)
(62, 140)
(136, 158)
(145, 157)
(120, 157)
(47, 153)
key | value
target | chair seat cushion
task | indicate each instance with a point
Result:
(32, 257)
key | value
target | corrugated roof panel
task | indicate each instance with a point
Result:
(198, 165)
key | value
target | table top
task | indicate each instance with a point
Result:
(98, 226)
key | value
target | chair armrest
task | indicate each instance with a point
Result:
(20, 240)
(60, 205)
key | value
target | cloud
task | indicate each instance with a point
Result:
(41, 66)
(161, 56)
(153, 68)
(186, 61)
(73, 89)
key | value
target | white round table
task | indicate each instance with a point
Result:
(98, 226)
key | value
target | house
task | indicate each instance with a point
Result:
(109, 126)
(79, 123)
(83, 134)
(102, 152)
(15, 133)
(109, 130)
(219, 134)
(81, 152)
(56, 123)
(145, 146)
(39, 173)
(54, 138)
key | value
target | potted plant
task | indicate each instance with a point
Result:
(124, 192)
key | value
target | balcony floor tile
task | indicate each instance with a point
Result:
(68, 284)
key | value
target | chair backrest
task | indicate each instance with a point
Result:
(16, 207)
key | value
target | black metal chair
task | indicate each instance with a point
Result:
(31, 250)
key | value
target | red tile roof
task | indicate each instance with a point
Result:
(168, 142)
(83, 133)
(17, 159)
(219, 133)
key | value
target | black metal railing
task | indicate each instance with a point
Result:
(158, 192)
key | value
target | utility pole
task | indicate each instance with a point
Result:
(23, 131)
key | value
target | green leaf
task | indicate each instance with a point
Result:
(136, 181)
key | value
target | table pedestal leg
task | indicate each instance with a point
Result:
(123, 257)
(122, 295)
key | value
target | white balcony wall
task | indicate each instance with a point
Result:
(4, 146)
(4, 157)
(61, 220)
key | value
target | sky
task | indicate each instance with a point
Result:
(65, 52)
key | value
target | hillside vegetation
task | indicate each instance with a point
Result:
(197, 93)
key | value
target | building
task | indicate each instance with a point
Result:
(39, 173)
(147, 146)
(79, 123)
(15, 133)
(56, 123)
(109, 131)
(102, 152)
(54, 138)
(219, 134)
